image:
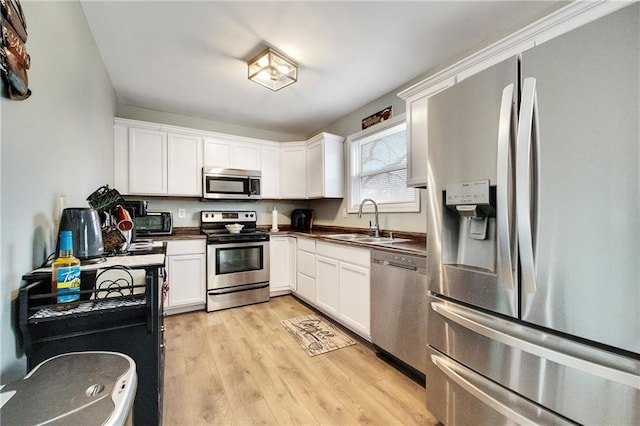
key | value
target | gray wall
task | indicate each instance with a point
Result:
(57, 143)
(331, 212)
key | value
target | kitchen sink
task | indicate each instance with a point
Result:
(364, 238)
(347, 237)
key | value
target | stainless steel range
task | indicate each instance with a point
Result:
(237, 263)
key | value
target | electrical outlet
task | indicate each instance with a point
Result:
(181, 213)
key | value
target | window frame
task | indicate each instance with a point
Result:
(353, 186)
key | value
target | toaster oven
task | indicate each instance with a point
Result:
(154, 223)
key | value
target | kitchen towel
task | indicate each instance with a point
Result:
(316, 335)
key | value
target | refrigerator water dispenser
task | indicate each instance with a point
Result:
(469, 225)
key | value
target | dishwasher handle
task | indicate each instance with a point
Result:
(408, 263)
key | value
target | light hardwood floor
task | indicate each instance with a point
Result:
(240, 366)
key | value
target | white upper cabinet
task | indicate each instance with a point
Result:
(157, 159)
(184, 165)
(229, 152)
(218, 153)
(247, 156)
(417, 106)
(270, 159)
(147, 162)
(293, 170)
(150, 161)
(325, 166)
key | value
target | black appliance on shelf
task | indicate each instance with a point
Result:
(135, 209)
(302, 220)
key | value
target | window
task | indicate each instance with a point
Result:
(378, 168)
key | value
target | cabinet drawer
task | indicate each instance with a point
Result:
(307, 288)
(306, 244)
(175, 247)
(353, 255)
(306, 263)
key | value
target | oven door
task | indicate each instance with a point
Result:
(235, 264)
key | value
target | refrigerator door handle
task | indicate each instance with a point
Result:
(526, 161)
(570, 354)
(506, 239)
(503, 401)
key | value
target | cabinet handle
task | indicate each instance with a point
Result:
(163, 328)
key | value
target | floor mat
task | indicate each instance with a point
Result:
(316, 335)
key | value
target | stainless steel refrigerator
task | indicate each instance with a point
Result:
(533, 235)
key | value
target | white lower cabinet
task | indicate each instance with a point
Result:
(327, 284)
(354, 298)
(282, 276)
(306, 270)
(340, 284)
(186, 270)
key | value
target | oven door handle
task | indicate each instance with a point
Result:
(244, 287)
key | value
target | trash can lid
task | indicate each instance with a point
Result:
(74, 388)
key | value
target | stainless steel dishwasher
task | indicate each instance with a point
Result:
(399, 306)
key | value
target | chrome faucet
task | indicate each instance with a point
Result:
(376, 227)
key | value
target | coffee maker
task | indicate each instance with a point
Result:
(302, 220)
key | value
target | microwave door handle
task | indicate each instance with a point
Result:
(526, 176)
(247, 185)
(504, 216)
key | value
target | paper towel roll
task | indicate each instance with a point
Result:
(274, 219)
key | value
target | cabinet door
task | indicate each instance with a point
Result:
(186, 280)
(354, 297)
(315, 170)
(293, 172)
(184, 169)
(217, 153)
(147, 162)
(327, 282)
(306, 263)
(417, 142)
(246, 156)
(417, 107)
(279, 264)
(121, 158)
(270, 172)
(293, 263)
(306, 288)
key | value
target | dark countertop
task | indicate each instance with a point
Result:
(417, 245)
(182, 233)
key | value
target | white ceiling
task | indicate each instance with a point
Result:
(189, 58)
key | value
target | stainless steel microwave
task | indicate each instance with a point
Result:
(231, 184)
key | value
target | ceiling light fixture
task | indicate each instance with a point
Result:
(272, 69)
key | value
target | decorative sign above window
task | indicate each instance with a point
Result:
(378, 117)
(14, 59)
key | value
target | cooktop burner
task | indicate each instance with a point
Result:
(213, 224)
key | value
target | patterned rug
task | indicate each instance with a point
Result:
(316, 335)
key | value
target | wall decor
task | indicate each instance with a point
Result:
(378, 117)
(14, 59)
